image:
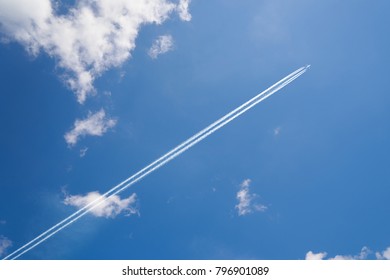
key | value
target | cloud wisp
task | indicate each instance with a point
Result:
(277, 131)
(183, 10)
(315, 256)
(110, 208)
(384, 255)
(162, 45)
(364, 254)
(178, 150)
(92, 37)
(83, 152)
(95, 124)
(5, 243)
(246, 200)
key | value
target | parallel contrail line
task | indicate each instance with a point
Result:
(149, 166)
(159, 162)
(152, 164)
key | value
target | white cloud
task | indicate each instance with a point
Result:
(83, 152)
(277, 131)
(5, 243)
(315, 256)
(246, 204)
(246, 183)
(361, 256)
(108, 209)
(2, 222)
(364, 253)
(95, 124)
(182, 9)
(162, 45)
(92, 37)
(385, 255)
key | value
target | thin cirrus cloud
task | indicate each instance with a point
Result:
(365, 252)
(109, 208)
(92, 37)
(246, 200)
(277, 131)
(161, 45)
(5, 243)
(83, 152)
(95, 125)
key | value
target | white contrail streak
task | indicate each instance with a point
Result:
(158, 163)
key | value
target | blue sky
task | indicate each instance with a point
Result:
(88, 99)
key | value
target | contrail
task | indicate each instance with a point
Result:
(158, 163)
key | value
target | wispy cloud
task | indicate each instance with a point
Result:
(182, 9)
(384, 255)
(5, 243)
(246, 200)
(277, 131)
(363, 255)
(315, 256)
(364, 252)
(2, 222)
(95, 124)
(83, 152)
(92, 37)
(162, 45)
(110, 208)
